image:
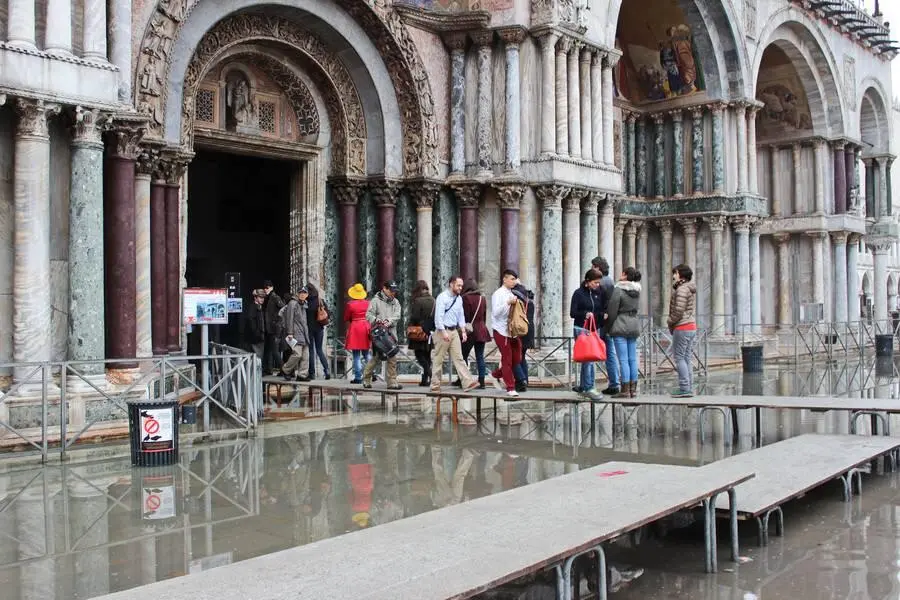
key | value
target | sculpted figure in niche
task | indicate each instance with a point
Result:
(239, 108)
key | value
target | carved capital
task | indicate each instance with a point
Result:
(347, 191)
(839, 237)
(482, 38)
(548, 41)
(817, 235)
(631, 118)
(697, 113)
(509, 196)
(590, 202)
(512, 36)
(468, 195)
(88, 126)
(564, 45)
(619, 227)
(551, 196)
(658, 118)
(880, 245)
(632, 228)
(854, 238)
(782, 238)
(33, 115)
(665, 228)
(125, 137)
(424, 194)
(456, 40)
(572, 202)
(716, 108)
(611, 59)
(688, 226)
(676, 115)
(716, 223)
(385, 192)
(148, 162)
(741, 223)
(172, 165)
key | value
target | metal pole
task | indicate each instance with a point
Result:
(204, 373)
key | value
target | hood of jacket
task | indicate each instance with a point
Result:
(385, 298)
(631, 288)
(689, 285)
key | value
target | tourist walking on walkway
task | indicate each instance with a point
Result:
(253, 325)
(587, 301)
(357, 341)
(624, 328)
(520, 369)
(449, 335)
(510, 347)
(421, 307)
(384, 311)
(272, 352)
(475, 309)
(612, 364)
(296, 330)
(683, 328)
(316, 331)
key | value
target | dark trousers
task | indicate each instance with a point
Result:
(272, 360)
(479, 357)
(317, 350)
(423, 357)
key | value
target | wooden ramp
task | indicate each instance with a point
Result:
(463, 550)
(789, 469)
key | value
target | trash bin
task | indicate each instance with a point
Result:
(752, 359)
(884, 344)
(153, 429)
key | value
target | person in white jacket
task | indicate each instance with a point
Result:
(510, 347)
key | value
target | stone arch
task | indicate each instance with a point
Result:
(372, 38)
(874, 122)
(718, 41)
(792, 32)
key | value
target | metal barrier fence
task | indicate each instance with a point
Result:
(808, 341)
(50, 406)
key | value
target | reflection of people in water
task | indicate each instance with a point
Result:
(448, 487)
(362, 481)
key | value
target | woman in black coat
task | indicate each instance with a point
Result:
(421, 308)
(316, 332)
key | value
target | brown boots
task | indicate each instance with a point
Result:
(629, 390)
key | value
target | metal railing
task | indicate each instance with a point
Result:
(51, 406)
(809, 341)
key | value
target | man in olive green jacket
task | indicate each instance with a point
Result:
(384, 310)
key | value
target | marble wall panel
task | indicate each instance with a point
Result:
(368, 244)
(436, 59)
(7, 124)
(445, 241)
(471, 104)
(530, 86)
(330, 283)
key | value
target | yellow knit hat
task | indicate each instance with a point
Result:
(357, 292)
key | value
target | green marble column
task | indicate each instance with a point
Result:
(446, 239)
(330, 284)
(368, 243)
(641, 167)
(404, 253)
(718, 149)
(659, 155)
(629, 154)
(697, 181)
(677, 154)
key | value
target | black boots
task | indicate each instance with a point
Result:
(426, 380)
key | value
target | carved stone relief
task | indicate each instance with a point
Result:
(570, 12)
(850, 82)
(296, 91)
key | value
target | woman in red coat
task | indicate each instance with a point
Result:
(358, 341)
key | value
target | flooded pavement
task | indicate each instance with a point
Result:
(83, 530)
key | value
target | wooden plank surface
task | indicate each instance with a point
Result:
(462, 550)
(789, 468)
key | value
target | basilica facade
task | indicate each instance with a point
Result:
(151, 145)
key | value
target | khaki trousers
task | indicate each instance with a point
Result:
(373, 364)
(441, 348)
(298, 363)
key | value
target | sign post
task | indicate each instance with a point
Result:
(205, 307)
(233, 289)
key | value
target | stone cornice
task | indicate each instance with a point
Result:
(443, 22)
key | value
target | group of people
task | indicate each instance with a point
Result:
(611, 309)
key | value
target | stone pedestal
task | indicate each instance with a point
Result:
(551, 313)
(468, 198)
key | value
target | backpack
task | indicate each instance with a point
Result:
(322, 316)
(384, 343)
(518, 320)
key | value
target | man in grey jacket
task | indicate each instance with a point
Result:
(296, 331)
(384, 311)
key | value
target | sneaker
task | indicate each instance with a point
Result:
(471, 385)
(395, 387)
(356, 381)
(327, 376)
(368, 386)
(612, 390)
(592, 395)
(679, 393)
(512, 394)
(619, 578)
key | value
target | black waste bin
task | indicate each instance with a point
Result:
(884, 344)
(153, 429)
(752, 359)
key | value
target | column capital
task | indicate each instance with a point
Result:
(689, 226)
(816, 235)
(509, 195)
(631, 117)
(575, 49)
(658, 118)
(782, 238)
(551, 196)
(590, 203)
(385, 192)
(880, 245)
(611, 59)
(753, 108)
(643, 231)
(716, 223)
(125, 136)
(456, 40)
(424, 193)
(697, 112)
(572, 203)
(665, 228)
(740, 106)
(839, 237)
(619, 227)
(563, 45)
(512, 36)
(482, 38)
(548, 40)
(33, 115)
(854, 238)
(742, 223)
(87, 128)
(347, 191)
(148, 162)
(612, 201)
(468, 195)
(587, 55)
(173, 164)
(718, 107)
(632, 228)
(676, 115)
(796, 147)
(819, 143)
(839, 144)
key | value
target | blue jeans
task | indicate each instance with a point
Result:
(317, 349)
(683, 349)
(357, 364)
(626, 352)
(588, 372)
(612, 362)
(479, 357)
(520, 370)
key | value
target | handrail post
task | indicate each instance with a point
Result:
(44, 408)
(63, 416)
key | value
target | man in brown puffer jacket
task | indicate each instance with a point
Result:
(683, 328)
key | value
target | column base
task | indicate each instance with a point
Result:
(22, 44)
(79, 384)
(60, 52)
(122, 376)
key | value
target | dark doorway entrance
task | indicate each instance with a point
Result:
(238, 221)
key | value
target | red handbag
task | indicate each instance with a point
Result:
(588, 346)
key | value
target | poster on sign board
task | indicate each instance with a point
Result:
(205, 306)
(157, 429)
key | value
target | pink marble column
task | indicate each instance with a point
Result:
(509, 197)
(468, 197)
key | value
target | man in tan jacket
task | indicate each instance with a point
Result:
(683, 328)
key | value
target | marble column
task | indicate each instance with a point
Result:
(642, 266)
(589, 230)
(609, 62)
(509, 196)
(853, 307)
(689, 227)
(840, 178)
(58, 34)
(630, 252)
(643, 185)
(630, 165)
(347, 195)
(385, 195)
(796, 154)
(677, 154)
(596, 104)
(562, 97)
(752, 173)
(718, 149)
(94, 30)
(841, 311)
(755, 280)
(20, 24)
(86, 318)
(468, 198)
(851, 197)
(175, 168)
(881, 248)
(120, 44)
(572, 274)
(512, 38)
(457, 44)
(574, 91)
(665, 287)
(552, 303)
(741, 227)
(484, 39)
(424, 196)
(587, 139)
(32, 305)
(871, 206)
(883, 202)
(818, 265)
(717, 283)
(159, 311)
(618, 262)
(143, 254)
(783, 241)
(659, 156)
(775, 170)
(548, 92)
(820, 154)
(607, 230)
(119, 243)
(697, 180)
(740, 117)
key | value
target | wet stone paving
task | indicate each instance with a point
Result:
(85, 529)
